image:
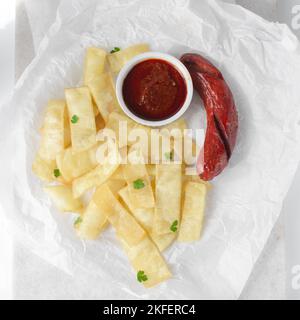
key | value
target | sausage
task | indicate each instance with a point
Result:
(222, 117)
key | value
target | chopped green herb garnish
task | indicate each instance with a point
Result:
(77, 221)
(56, 173)
(169, 155)
(174, 226)
(141, 277)
(115, 49)
(138, 184)
(74, 119)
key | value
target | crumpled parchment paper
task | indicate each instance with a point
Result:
(261, 63)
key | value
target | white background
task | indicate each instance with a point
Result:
(7, 15)
(267, 280)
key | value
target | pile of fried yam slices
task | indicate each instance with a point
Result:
(148, 205)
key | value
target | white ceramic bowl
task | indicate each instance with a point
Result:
(179, 66)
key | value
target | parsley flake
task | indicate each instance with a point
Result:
(56, 173)
(138, 184)
(115, 49)
(141, 277)
(74, 119)
(77, 221)
(174, 226)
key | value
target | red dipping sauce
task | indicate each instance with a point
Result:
(154, 90)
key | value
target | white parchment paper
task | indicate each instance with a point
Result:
(40, 23)
(260, 61)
